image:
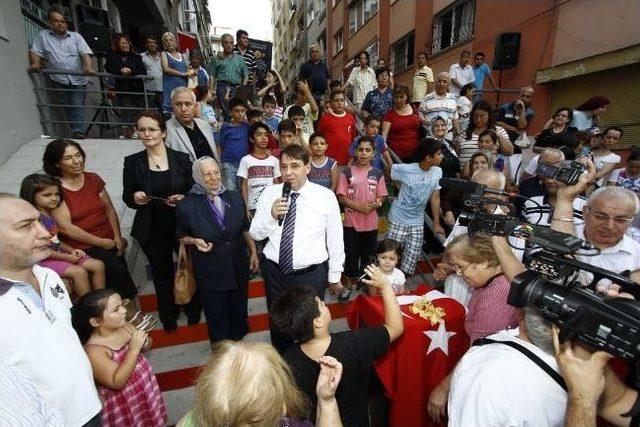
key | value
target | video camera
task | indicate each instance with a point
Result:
(568, 172)
(551, 284)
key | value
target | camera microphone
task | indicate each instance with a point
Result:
(286, 191)
(472, 187)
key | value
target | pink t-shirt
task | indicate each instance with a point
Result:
(364, 185)
(488, 310)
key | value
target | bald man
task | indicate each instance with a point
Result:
(515, 116)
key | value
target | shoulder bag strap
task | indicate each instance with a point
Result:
(535, 359)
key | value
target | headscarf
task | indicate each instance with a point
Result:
(199, 186)
(443, 140)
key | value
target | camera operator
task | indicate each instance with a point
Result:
(531, 186)
(454, 285)
(539, 209)
(607, 215)
(495, 384)
(593, 387)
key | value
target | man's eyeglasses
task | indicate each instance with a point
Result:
(600, 217)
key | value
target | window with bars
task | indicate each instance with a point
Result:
(372, 50)
(453, 25)
(401, 56)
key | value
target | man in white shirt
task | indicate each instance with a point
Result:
(35, 308)
(607, 215)
(305, 244)
(441, 103)
(461, 73)
(497, 385)
(362, 79)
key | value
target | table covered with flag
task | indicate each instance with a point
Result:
(418, 360)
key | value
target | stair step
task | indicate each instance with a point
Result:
(258, 322)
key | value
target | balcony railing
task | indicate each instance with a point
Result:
(106, 115)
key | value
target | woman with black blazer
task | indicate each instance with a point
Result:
(213, 221)
(154, 181)
(125, 62)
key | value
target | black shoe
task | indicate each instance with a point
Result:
(191, 321)
(78, 135)
(170, 327)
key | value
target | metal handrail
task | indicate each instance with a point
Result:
(105, 107)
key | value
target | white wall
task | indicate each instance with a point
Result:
(19, 119)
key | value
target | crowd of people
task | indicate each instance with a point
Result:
(250, 182)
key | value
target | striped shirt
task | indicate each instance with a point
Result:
(21, 403)
(434, 105)
(488, 309)
(249, 59)
(538, 211)
(62, 53)
(363, 81)
(470, 146)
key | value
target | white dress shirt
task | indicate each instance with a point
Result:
(318, 228)
(462, 75)
(496, 385)
(623, 256)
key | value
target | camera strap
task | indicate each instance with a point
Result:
(528, 353)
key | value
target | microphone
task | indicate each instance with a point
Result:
(473, 187)
(286, 190)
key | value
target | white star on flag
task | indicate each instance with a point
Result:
(439, 339)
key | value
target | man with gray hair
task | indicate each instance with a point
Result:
(187, 133)
(316, 73)
(230, 71)
(539, 207)
(607, 215)
(441, 103)
(497, 383)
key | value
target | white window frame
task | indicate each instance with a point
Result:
(360, 12)
(338, 41)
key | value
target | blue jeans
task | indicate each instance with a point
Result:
(229, 171)
(71, 99)
(221, 91)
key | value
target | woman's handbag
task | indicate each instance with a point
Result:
(184, 283)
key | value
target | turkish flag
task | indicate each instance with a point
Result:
(420, 359)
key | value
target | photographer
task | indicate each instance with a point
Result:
(455, 286)
(539, 209)
(593, 387)
(607, 215)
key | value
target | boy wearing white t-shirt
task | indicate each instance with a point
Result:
(258, 169)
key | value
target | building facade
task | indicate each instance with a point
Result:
(289, 37)
(560, 54)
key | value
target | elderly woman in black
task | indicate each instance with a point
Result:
(155, 180)
(212, 220)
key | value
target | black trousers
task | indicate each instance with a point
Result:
(159, 249)
(277, 283)
(117, 272)
(226, 313)
(359, 250)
